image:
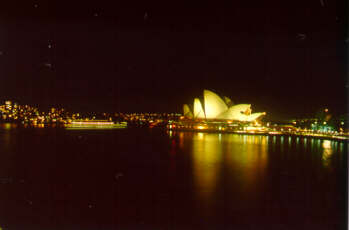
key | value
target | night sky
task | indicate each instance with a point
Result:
(283, 57)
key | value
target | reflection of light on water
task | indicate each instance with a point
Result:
(244, 159)
(207, 156)
(247, 160)
(274, 143)
(181, 139)
(255, 139)
(170, 133)
(201, 136)
(318, 144)
(313, 144)
(341, 147)
(327, 152)
(282, 144)
(326, 144)
(7, 126)
(6, 136)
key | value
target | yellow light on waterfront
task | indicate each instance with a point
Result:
(253, 128)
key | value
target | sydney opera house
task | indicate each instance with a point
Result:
(214, 113)
(214, 108)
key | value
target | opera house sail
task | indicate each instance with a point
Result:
(198, 111)
(216, 108)
(214, 105)
(187, 112)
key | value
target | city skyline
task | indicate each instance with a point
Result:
(152, 57)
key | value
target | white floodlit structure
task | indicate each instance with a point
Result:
(214, 105)
(198, 111)
(218, 109)
(187, 112)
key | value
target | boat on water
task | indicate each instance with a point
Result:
(95, 124)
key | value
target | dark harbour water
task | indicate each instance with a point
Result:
(53, 178)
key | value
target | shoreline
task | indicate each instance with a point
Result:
(272, 134)
(318, 136)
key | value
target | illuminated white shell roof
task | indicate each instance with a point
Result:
(216, 108)
(198, 111)
(214, 105)
(186, 111)
(236, 112)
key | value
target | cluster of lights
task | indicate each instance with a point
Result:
(323, 124)
(12, 112)
(148, 118)
(253, 128)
